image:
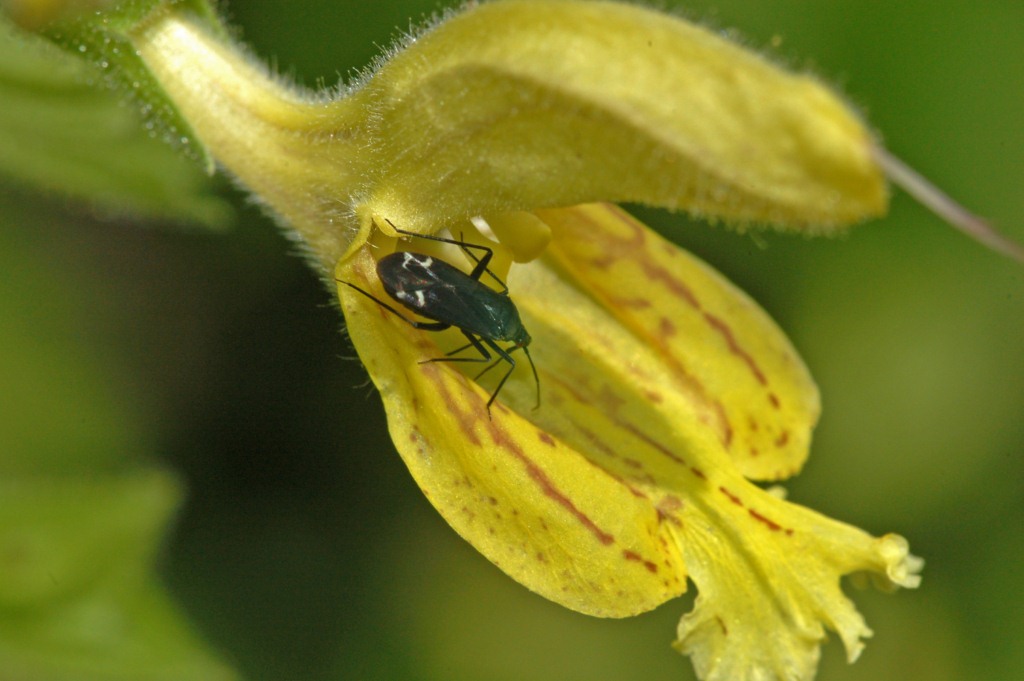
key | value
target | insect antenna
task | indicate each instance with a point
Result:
(536, 380)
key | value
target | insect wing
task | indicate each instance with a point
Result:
(404, 271)
(436, 290)
(473, 306)
(411, 279)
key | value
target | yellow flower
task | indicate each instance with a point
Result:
(665, 390)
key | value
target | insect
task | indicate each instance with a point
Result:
(449, 297)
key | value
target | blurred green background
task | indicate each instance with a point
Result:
(304, 551)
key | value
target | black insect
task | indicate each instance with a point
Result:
(449, 297)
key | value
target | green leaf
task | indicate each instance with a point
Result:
(61, 131)
(79, 523)
(77, 596)
(61, 409)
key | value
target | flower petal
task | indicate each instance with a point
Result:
(542, 512)
(768, 579)
(738, 373)
(520, 104)
(631, 475)
(697, 389)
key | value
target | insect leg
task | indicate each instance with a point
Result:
(503, 355)
(458, 350)
(507, 358)
(481, 263)
(491, 366)
(474, 342)
(425, 326)
(485, 356)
